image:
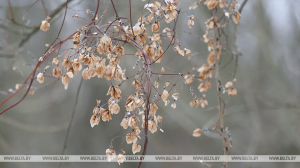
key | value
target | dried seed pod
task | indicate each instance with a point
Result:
(155, 27)
(45, 25)
(197, 132)
(56, 72)
(40, 77)
(236, 17)
(65, 81)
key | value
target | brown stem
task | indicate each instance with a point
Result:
(31, 76)
(131, 19)
(217, 76)
(71, 120)
(11, 12)
(114, 8)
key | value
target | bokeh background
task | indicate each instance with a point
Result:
(263, 118)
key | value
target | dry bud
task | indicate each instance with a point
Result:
(40, 77)
(65, 81)
(211, 4)
(155, 27)
(111, 154)
(173, 105)
(45, 25)
(232, 91)
(228, 84)
(56, 72)
(114, 91)
(164, 95)
(136, 148)
(124, 123)
(236, 17)
(132, 137)
(121, 158)
(133, 121)
(197, 132)
(190, 23)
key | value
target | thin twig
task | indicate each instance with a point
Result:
(131, 19)
(218, 83)
(45, 9)
(11, 12)
(117, 16)
(237, 49)
(242, 6)
(71, 120)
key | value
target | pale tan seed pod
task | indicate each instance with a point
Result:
(136, 83)
(132, 137)
(101, 68)
(175, 96)
(114, 108)
(155, 27)
(193, 103)
(95, 119)
(164, 95)
(159, 118)
(133, 122)
(149, 50)
(232, 91)
(136, 148)
(204, 103)
(173, 105)
(189, 80)
(85, 74)
(97, 108)
(121, 158)
(45, 25)
(76, 39)
(167, 84)
(118, 75)
(109, 72)
(141, 39)
(56, 72)
(190, 23)
(119, 50)
(92, 71)
(179, 51)
(124, 123)
(167, 31)
(40, 77)
(65, 81)
(76, 65)
(211, 57)
(153, 109)
(130, 105)
(187, 51)
(156, 84)
(31, 92)
(55, 61)
(106, 115)
(228, 84)
(236, 17)
(197, 132)
(171, 12)
(111, 154)
(211, 4)
(114, 91)
(152, 125)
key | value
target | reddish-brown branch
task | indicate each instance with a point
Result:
(11, 12)
(31, 76)
(114, 8)
(95, 15)
(131, 19)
